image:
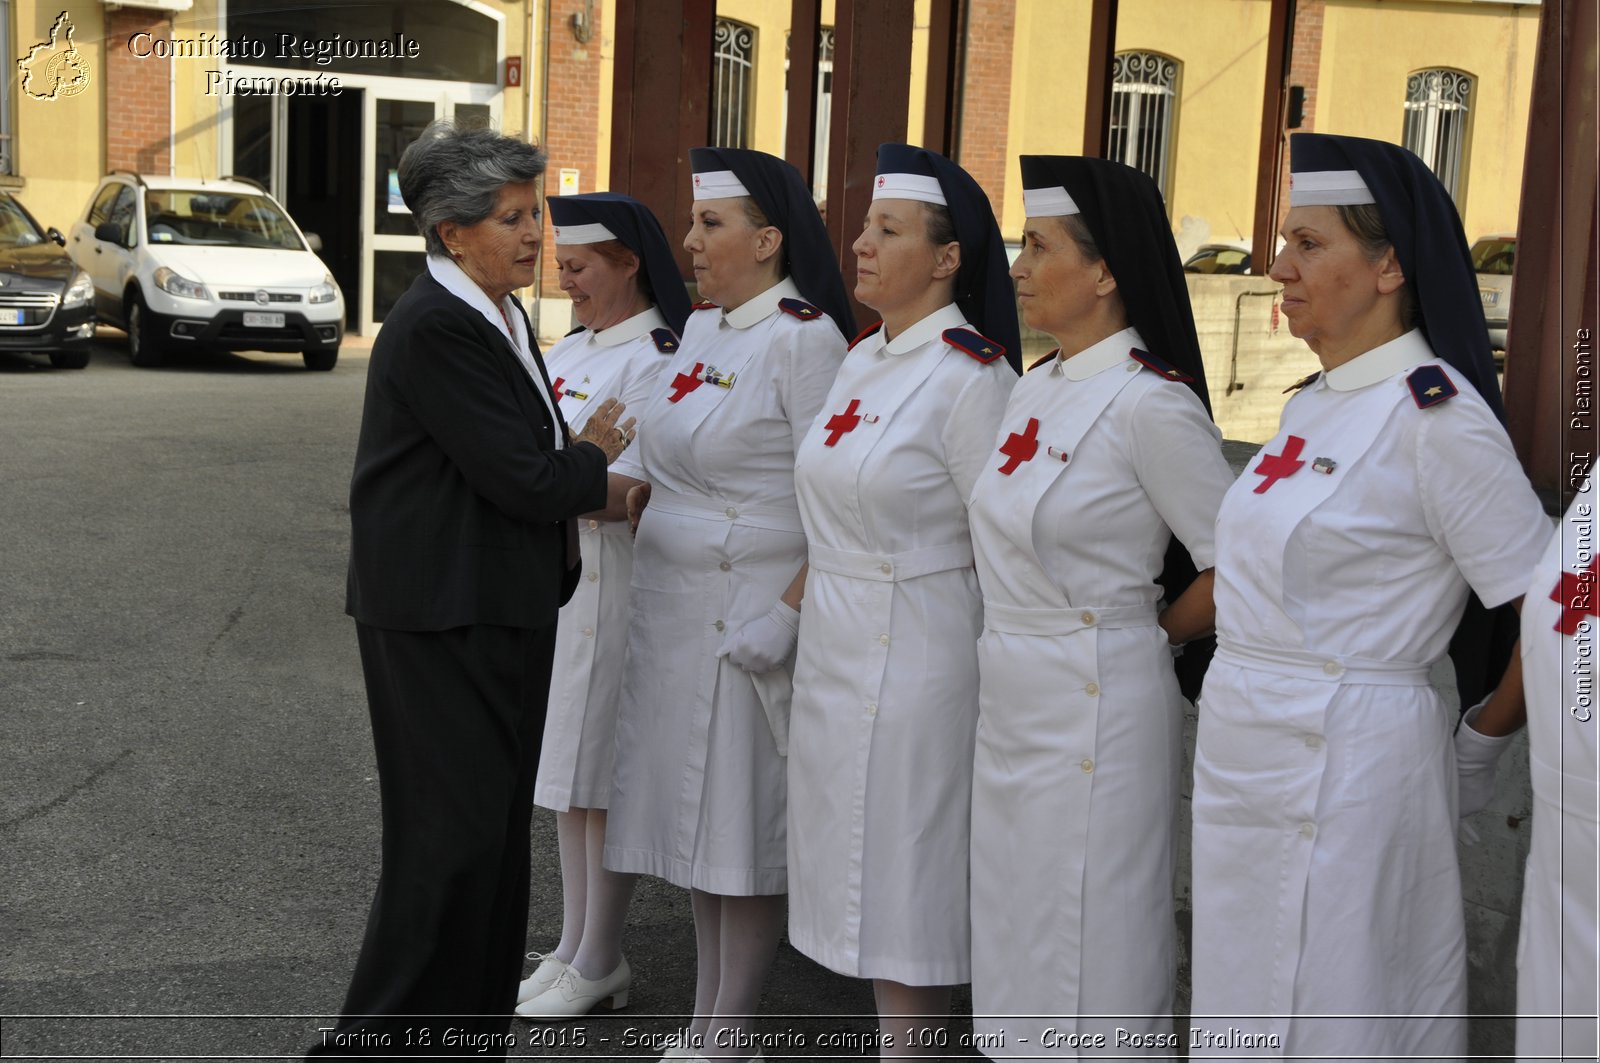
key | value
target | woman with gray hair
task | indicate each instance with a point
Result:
(463, 548)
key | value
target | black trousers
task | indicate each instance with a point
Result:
(457, 718)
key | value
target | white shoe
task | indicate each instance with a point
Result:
(543, 977)
(574, 996)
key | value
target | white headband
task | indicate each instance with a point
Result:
(592, 233)
(1051, 202)
(718, 184)
(1328, 188)
(909, 186)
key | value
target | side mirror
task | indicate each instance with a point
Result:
(108, 232)
(55, 234)
(314, 242)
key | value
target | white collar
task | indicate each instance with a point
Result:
(630, 328)
(925, 331)
(1382, 362)
(760, 307)
(1098, 357)
(454, 279)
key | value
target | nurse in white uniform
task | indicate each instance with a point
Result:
(630, 303)
(1557, 996)
(1325, 796)
(1105, 468)
(698, 794)
(886, 682)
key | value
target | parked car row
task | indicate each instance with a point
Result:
(176, 263)
(46, 301)
(1494, 257)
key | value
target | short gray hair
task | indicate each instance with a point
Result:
(452, 173)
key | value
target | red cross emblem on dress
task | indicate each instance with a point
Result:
(1276, 466)
(555, 385)
(1575, 594)
(1020, 447)
(840, 423)
(684, 383)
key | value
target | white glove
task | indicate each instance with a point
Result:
(1477, 756)
(765, 642)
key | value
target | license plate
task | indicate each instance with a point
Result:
(10, 317)
(1490, 296)
(255, 320)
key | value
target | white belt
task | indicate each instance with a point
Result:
(612, 528)
(1323, 667)
(1020, 621)
(772, 518)
(1573, 794)
(890, 568)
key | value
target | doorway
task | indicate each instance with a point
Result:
(307, 153)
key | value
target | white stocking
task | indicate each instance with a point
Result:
(571, 843)
(749, 938)
(608, 895)
(923, 1011)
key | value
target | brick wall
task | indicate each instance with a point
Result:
(1305, 62)
(986, 96)
(138, 95)
(574, 122)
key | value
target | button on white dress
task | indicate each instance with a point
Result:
(886, 679)
(575, 761)
(698, 791)
(1080, 744)
(1556, 956)
(1325, 876)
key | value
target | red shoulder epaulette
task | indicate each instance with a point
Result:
(799, 308)
(1167, 372)
(1037, 362)
(1302, 382)
(703, 305)
(869, 330)
(1430, 385)
(982, 348)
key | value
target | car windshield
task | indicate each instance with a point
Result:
(1492, 255)
(16, 228)
(217, 219)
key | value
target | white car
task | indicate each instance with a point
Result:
(214, 264)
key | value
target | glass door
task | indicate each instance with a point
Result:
(397, 249)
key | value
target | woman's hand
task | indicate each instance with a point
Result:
(765, 642)
(604, 431)
(638, 498)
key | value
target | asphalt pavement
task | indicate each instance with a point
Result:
(189, 822)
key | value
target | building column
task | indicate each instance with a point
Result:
(138, 94)
(573, 101)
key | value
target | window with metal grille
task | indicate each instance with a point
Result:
(1144, 105)
(1436, 123)
(732, 83)
(819, 145)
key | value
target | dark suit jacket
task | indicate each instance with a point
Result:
(459, 501)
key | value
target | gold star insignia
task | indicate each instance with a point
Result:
(988, 350)
(1435, 390)
(1173, 372)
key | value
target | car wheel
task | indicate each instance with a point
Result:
(144, 347)
(320, 359)
(74, 359)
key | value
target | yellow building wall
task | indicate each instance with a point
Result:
(771, 21)
(59, 148)
(1048, 91)
(1223, 49)
(1370, 47)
